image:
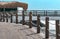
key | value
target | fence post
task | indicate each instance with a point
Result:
(47, 28)
(6, 18)
(55, 13)
(3, 17)
(57, 29)
(11, 18)
(0, 17)
(16, 18)
(30, 20)
(23, 17)
(38, 24)
(46, 12)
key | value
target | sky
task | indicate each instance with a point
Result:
(40, 4)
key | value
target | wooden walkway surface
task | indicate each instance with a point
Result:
(17, 31)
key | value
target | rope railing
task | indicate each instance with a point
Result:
(58, 34)
(51, 23)
(44, 29)
(59, 24)
(52, 33)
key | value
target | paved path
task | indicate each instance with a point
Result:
(17, 31)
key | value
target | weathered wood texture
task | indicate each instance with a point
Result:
(38, 24)
(6, 17)
(16, 18)
(23, 17)
(30, 20)
(47, 28)
(11, 18)
(57, 30)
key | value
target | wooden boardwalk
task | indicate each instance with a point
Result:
(17, 31)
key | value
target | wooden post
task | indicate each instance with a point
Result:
(0, 17)
(11, 18)
(3, 17)
(38, 24)
(30, 20)
(6, 18)
(3, 14)
(23, 17)
(16, 18)
(55, 13)
(47, 28)
(36, 13)
(57, 29)
(46, 13)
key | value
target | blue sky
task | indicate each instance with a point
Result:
(41, 4)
